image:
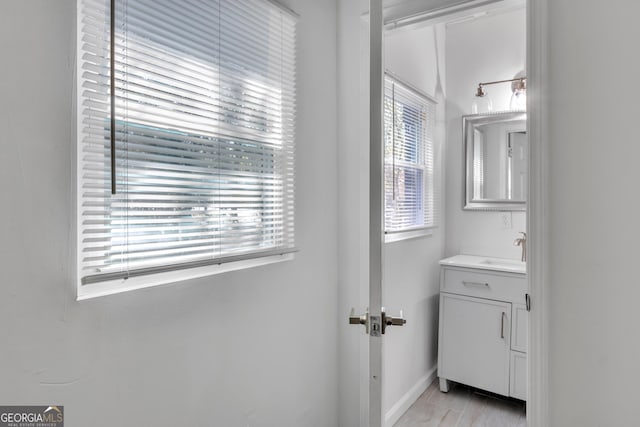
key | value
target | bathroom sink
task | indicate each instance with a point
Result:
(503, 262)
(486, 263)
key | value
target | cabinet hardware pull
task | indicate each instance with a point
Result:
(502, 324)
(475, 284)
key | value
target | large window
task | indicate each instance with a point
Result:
(409, 188)
(202, 153)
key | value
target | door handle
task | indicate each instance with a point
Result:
(502, 324)
(392, 321)
(376, 324)
(359, 319)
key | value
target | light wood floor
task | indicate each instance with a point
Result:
(463, 407)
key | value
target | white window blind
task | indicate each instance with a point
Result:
(409, 189)
(204, 135)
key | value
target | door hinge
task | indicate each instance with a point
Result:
(527, 299)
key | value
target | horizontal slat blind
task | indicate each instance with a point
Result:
(410, 191)
(205, 113)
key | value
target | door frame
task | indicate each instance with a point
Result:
(537, 211)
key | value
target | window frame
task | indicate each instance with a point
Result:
(430, 193)
(169, 275)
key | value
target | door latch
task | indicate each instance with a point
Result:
(375, 328)
(527, 300)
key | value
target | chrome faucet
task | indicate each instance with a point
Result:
(522, 241)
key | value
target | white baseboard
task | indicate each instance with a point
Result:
(401, 406)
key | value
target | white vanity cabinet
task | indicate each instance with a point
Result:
(483, 325)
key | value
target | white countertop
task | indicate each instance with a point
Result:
(486, 263)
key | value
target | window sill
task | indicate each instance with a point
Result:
(124, 285)
(406, 235)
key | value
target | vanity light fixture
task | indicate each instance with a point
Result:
(482, 103)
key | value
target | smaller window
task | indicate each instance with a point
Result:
(409, 187)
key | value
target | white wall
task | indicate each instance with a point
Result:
(411, 270)
(485, 49)
(251, 348)
(593, 206)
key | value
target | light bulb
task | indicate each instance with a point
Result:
(518, 100)
(481, 104)
(519, 96)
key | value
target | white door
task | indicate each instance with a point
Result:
(376, 214)
(374, 320)
(475, 352)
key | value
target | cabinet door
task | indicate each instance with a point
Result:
(518, 387)
(474, 336)
(519, 328)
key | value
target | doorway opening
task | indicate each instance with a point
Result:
(446, 53)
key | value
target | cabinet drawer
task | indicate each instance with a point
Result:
(495, 286)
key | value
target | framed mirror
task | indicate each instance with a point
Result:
(496, 158)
